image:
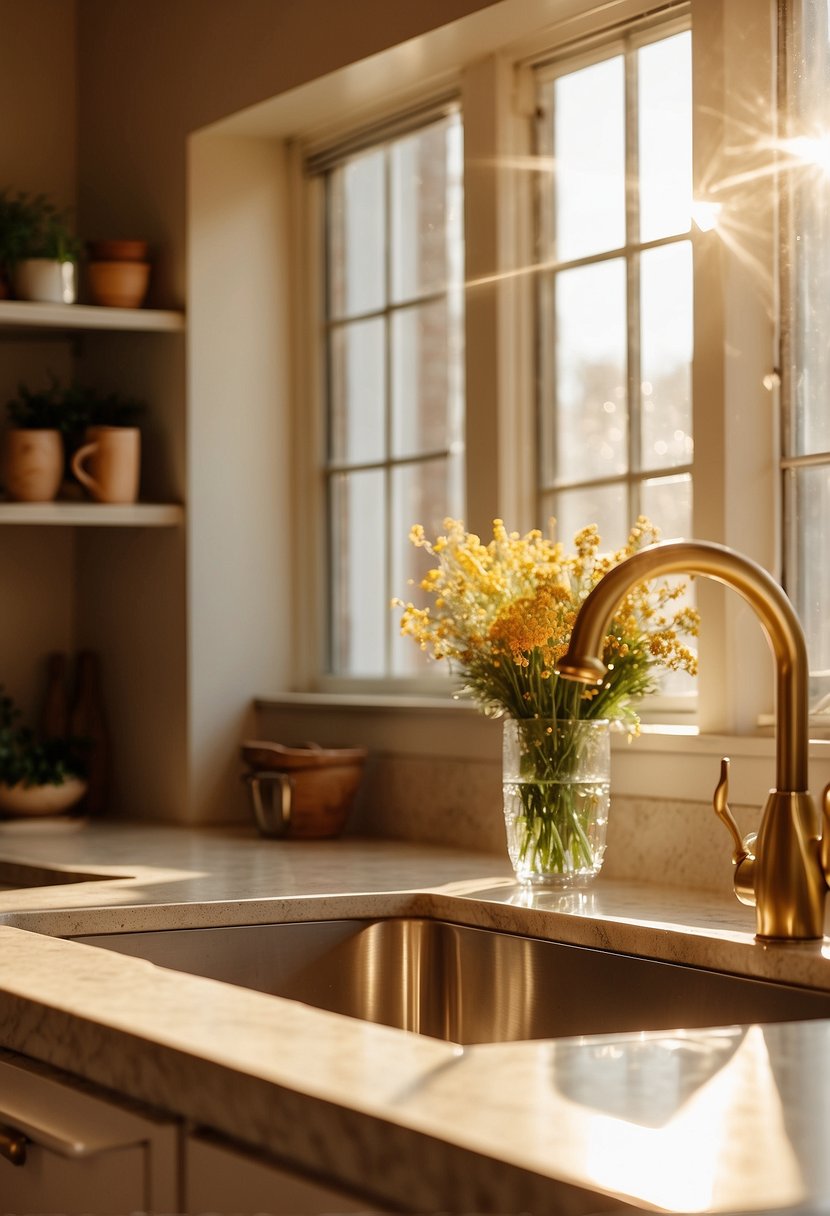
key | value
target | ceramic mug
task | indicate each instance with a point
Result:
(114, 456)
(33, 464)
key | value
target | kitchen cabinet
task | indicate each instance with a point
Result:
(221, 1178)
(67, 1146)
(20, 319)
(78, 1152)
(105, 577)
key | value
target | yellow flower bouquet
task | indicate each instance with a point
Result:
(501, 615)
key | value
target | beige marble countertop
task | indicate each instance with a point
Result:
(713, 1120)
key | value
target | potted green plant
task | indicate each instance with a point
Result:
(106, 457)
(38, 250)
(33, 449)
(48, 425)
(21, 216)
(37, 776)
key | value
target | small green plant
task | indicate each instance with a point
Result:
(35, 411)
(71, 409)
(31, 226)
(27, 760)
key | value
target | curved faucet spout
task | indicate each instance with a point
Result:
(778, 619)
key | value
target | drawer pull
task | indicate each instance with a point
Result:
(12, 1146)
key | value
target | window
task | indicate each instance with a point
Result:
(806, 430)
(615, 299)
(393, 339)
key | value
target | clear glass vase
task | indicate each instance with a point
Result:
(556, 782)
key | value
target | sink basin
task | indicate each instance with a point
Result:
(466, 985)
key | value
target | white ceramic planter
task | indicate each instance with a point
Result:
(41, 799)
(47, 281)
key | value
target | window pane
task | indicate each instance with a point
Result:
(666, 356)
(357, 392)
(427, 379)
(589, 159)
(810, 426)
(359, 600)
(664, 71)
(807, 418)
(427, 204)
(809, 422)
(809, 509)
(667, 501)
(394, 382)
(591, 432)
(356, 226)
(424, 493)
(605, 506)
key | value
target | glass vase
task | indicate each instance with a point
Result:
(556, 783)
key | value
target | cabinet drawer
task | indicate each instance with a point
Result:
(219, 1178)
(106, 1184)
(78, 1152)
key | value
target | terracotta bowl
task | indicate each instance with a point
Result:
(31, 800)
(118, 284)
(304, 793)
(117, 251)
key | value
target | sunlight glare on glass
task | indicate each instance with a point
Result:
(664, 72)
(706, 214)
(811, 149)
(589, 148)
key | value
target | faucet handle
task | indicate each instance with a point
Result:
(721, 807)
(825, 833)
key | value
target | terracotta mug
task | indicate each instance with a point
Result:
(114, 456)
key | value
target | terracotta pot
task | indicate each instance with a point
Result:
(117, 251)
(303, 793)
(41, 799)
(118, 284)
(33, 464)
(46, 280)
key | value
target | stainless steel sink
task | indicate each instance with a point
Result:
(466, 985)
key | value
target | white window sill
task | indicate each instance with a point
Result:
(673, 762)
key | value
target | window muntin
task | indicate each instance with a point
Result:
(615, 333)
(394, 352)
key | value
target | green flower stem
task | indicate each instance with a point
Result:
(553, 835)
(555, 784)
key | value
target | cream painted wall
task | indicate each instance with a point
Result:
(153, 71)
(38, 85)
(239, 493)
(37, 153)
(211, 628)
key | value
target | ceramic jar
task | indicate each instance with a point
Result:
(33, 464)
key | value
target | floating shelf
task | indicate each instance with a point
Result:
(23, 315)
(93, 514)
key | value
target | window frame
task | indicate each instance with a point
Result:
(791, 462)
(379, 138)
(735, 344)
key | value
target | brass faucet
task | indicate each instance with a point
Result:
(782, 870)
